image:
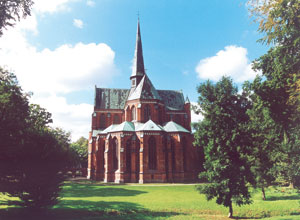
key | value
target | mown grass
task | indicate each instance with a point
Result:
(91, 200)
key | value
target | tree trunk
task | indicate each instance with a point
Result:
(230, 215)
(263, 193)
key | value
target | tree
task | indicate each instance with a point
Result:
(12, 10)
(227, 145)
(13, 109)
(32, 154)
(41, 177)
(265, 142)
(80, 152)
(279, 20)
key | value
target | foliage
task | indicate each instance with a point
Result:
(32, 153)
(265, 142)
(278, 19)
(13, 109)
(223, 135)
(12, 10)
(279, 91)
(79, 150)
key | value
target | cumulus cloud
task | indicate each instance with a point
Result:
(51, 6)
(232, 61)
(90, 3)
(67, 68)
(78, 23)
(70, 117)
(51, 73)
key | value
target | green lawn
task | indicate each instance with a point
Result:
(91, 201)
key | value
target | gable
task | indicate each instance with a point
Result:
(144, 90)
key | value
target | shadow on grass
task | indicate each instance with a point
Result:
(80, 190)
(237, 217)
(87, 210)
(283, 197)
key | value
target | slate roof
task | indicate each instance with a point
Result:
(173, 100)
(110, 98)
(144, 90)
(116, 98)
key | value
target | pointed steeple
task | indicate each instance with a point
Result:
(187, 100)
(138, 70)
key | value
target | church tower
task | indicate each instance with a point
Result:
(138, 70)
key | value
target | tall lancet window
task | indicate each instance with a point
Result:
(133, 113)
(183, 145)
(102, 121)
(116, 119)
(152, 153)
(173, 154)
(115, 153)
(147, 113)
(128, 155)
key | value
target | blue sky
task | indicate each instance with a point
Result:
(68, 46)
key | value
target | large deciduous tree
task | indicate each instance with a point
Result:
(265, 141)
(226, 142)
(279, 20)
(32, 154)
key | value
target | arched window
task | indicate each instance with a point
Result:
(115, 153)
(102, 121)
(137, 161)
(147, 113)
(128, 155)
(183, 145)
(103, 157)
(133, 113)
(173, 154)
(165, 147)
(160, 116)
(116, 119)
(177, 119)
(152, 153)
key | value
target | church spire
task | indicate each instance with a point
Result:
(138, 69)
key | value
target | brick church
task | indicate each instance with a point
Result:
(141, 134)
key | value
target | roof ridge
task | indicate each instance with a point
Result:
(111, 88)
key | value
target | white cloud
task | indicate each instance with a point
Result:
(49, 74)
(51, 6)
(194, 116)
(90, 3)
(70, 117)
(232, 61)
(67, 68)
(78, 23)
